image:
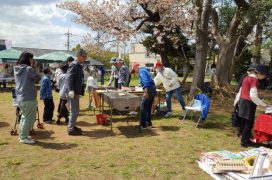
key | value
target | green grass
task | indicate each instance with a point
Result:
(169, 151)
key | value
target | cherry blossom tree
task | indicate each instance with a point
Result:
(123, 20)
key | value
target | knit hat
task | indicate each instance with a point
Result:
(262, 70)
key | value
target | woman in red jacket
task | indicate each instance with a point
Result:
(248, 102)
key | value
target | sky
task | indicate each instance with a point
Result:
(38, 24)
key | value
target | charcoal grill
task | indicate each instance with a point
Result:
(121, 101)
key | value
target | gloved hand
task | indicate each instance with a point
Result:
(71, 94)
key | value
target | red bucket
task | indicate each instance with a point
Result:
(101, 119)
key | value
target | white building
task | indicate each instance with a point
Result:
(139, 54)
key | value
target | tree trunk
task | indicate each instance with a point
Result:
(224, 63)
(165, 59)
(257, 43)
(201, 44)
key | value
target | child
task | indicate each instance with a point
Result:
(91, 82)
(63, 91)
(46, 96)
(248, 102)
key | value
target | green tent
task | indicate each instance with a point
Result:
(10, 55)
(53, 57)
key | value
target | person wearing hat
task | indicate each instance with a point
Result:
(248, 102)
(114, 73)
(236, 121)
(251, 69)
(123, 73)
(75, 83)
(168, 78)
(149, 88)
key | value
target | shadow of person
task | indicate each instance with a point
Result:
(55, 146)
(133, 131)
(86, 124)
(43, 134)
(4, 124)
(98, 134)
(169, 128)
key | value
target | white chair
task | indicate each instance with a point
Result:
(195, 106)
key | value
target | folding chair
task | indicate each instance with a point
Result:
(195, 106)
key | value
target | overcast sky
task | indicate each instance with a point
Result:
(38, 24)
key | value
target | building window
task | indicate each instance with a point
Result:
(149, 64)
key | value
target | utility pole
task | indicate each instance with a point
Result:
(68, 34)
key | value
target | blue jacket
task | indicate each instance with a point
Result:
(205, 104)
(146, 80)
(46, 90)
(75, 78)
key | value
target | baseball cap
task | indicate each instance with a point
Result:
(113, 60)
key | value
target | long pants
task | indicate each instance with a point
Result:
(116, 83)
(74, 111)
(48, 109)
(179, 97)
(62, 109)
(246, 128)
(146, 106)
(29, 109)
(102, 80)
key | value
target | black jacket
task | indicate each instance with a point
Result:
(75, 78)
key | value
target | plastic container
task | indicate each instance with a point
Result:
(101, 119)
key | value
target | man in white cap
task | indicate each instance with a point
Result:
(114, 73)
(123, 74)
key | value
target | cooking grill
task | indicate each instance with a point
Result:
(122, 101)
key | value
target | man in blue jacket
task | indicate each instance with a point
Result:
(75, 83)
(149, 88)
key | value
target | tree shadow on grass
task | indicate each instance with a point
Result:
(44, 135)
(4, 124)
(98, 134)
(133, 131)
(55, 146)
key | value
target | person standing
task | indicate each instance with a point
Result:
(123, 73)
(46, 96)
(25, 78)
(114, 73)
(60, 78)
(102, 74)
(149, 88)
(248, 101)
(168, 78)
(75, 83)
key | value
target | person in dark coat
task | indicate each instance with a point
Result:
(248, 102)
(75, 83)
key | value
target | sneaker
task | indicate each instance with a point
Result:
(77, 129)
(27, 141)
(47, 122)
(143, 127)
(167, 115)
(74, 133)
(58, 122)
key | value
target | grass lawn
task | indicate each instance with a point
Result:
(169, 151)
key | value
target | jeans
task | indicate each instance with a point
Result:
(146, 106)
(246, 128)
(116, 83)
(74, 111)
(179, 97)
(29, 109)
(48, 109)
